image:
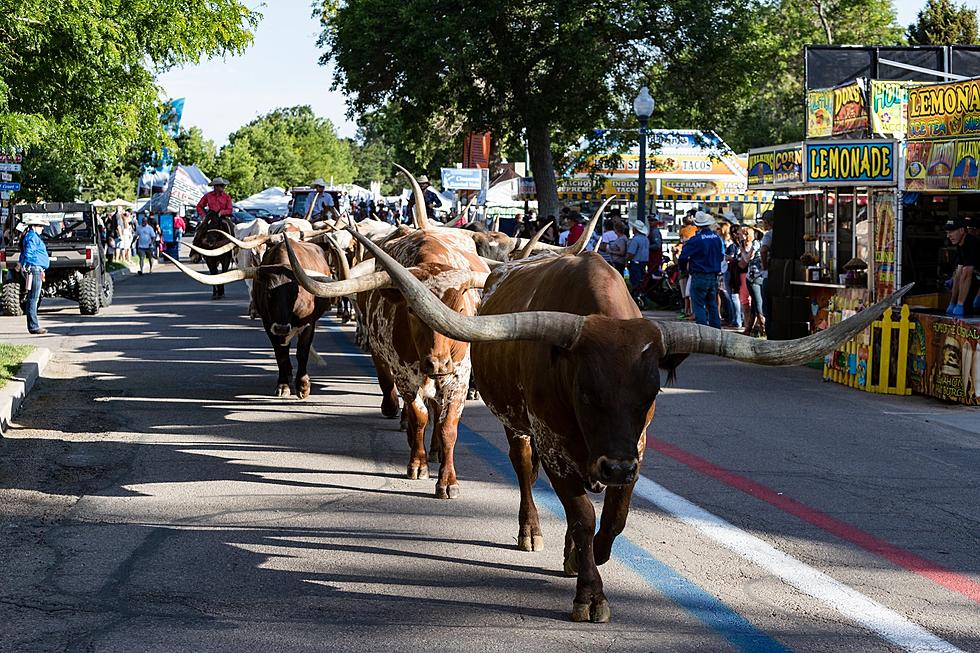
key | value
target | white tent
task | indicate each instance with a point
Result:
(503, 194)
(274, 199)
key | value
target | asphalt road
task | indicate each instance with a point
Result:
(155, 496)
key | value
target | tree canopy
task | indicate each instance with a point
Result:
(287, 147)
(942, 22)
(77, 82)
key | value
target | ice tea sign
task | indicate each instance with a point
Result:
(944, 110)
(850, 163)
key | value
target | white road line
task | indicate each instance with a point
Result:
(848, 602)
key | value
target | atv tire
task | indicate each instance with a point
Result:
(10, 302)
(108, 289)
(90, 293)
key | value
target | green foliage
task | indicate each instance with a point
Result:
(11, 356)
(76, 77)
(193, 149)
(942, 22)
(287, 147)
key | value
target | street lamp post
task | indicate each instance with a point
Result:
(643, 108)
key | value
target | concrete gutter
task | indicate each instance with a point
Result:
(13, 394)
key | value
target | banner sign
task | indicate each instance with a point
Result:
(850, 109)
(700, 187)
(10, 167)
(762, 167)
(819, 113)
(462, 179)
(943, 357)
(526, 188)
(885, 208)
(788, 165)
(6, 176)
(11, 157)
(182, 191)
(944, 110)
(888, 108)
(850, 163)
(943, 165)
(13, 186)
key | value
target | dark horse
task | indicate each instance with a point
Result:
(210, 235)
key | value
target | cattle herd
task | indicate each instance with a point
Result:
(557, 347)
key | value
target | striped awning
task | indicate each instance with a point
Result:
(751, 197)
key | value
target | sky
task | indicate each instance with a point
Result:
(280, 69)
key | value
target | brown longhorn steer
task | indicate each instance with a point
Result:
(287, 310)
(564, 359)
(430, 371)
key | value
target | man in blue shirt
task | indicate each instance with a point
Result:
(701, 257)
(32, 264)
(429, 198)
(321, 204)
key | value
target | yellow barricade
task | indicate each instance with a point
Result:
(876, 360)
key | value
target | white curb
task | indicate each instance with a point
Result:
(13, 394)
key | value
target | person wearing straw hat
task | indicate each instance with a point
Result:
(322, 205)
(216, 200)
(32, 264)
(702, 256)
(429, 197)
(638, 253)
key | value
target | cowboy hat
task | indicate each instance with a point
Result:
(423, 180)
(219, 181)
(34, 221)
(639, 225)
(702, 219)
(319, 182)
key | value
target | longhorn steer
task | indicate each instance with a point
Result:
(287, 310)
(564, 359)
(431, 372)
(212, 234)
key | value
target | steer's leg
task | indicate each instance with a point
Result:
(590, 603)
(418, 417)
(615, 508)
(303, 343)
(282, 361)
(444, 434)
(389, 398)
(525, 462)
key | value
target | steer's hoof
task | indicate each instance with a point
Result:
(447, 492)
(417, 471)
(303, 388)
(530, 543)
(282, 390)
(389, 409)
(597, 612)
(571, 563)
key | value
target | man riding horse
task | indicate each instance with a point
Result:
(215, 222)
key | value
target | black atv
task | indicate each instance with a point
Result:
(75, 246)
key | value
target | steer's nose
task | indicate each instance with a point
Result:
(615, 471)
(279, 329)
(438, 365)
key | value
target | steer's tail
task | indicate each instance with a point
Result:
(316, 358)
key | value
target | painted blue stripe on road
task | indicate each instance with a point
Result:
(711, 612)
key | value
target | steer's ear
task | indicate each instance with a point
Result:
(670, 363)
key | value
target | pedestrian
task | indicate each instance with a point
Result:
(617, 248)
(608, 236)
(179, 227)
(702, 256)
(765, 254)
(638, 253)
(32, 263)
(730, 307)
(429, 198)
(145, 238)
(655, 258)
(750, 260)
(577, 228)
(684, 280)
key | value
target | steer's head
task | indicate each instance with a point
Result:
(438, 355)
(614, 370)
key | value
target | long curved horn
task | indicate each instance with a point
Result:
(687, 338)
(341, 258)
(362, 268)
(579, 246)
(495, 225)
(526, 251)
(421, 217)
(336, 288)
(491, 263)
(244, 244)
(227, 247)
(561, 329)
(214, 279)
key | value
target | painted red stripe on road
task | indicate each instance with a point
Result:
(951, 580)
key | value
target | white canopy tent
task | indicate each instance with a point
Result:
(274, 199)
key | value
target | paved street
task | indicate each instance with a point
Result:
(155, 496)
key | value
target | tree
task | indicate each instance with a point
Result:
(287, 147)
(193, 149)
(77, 77)
(942, 22)
(552, 70)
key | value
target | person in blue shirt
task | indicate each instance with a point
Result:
(321, 204)
(32, 264)
(701, 257)
(429, 198)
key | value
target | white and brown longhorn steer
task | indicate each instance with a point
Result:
(563, 357)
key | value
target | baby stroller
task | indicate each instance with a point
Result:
(660, 289)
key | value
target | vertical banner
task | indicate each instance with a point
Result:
(888, 108)
(819, 113)
(885, 209)
(940, 166)
(850, 108)
(965, 166)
